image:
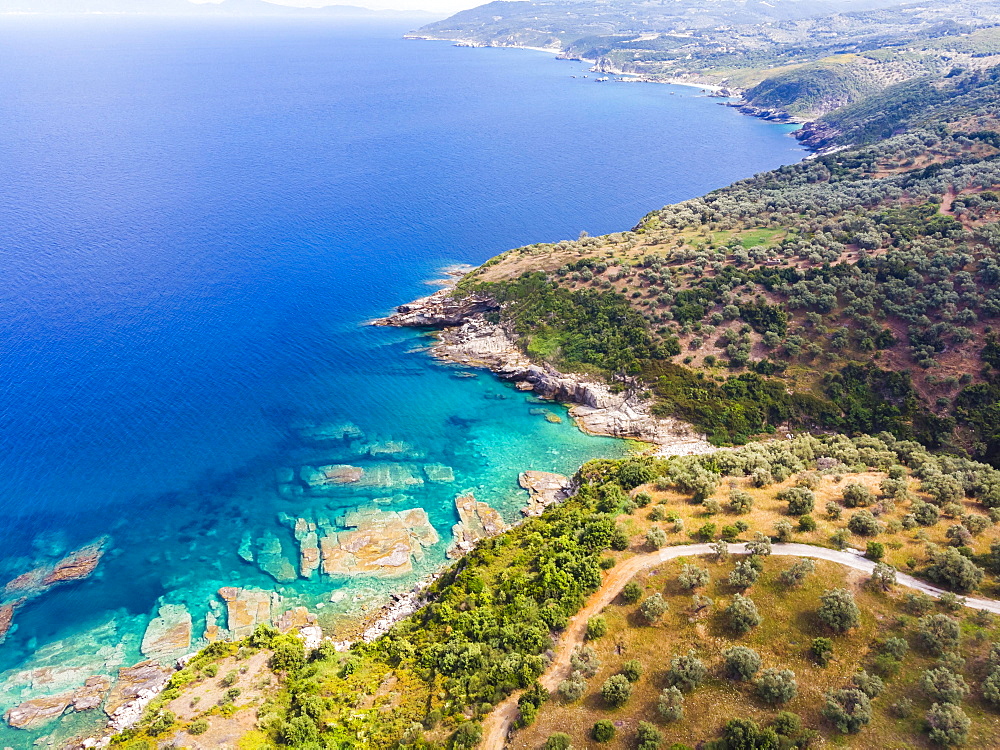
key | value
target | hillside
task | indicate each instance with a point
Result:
(853, 291)
(788, 59)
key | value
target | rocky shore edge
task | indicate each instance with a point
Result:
(467, 337)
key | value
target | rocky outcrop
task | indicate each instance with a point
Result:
(296, 618)
(77, 565)
(442, 308)
(377, 542)
(37, 712)
(247, 608)
(477, 520)
(596, 408)
(544, 489)
(91, 694)
(6, 619)
(764, 113)
(168, 635)
(135, 688)
(819, 137)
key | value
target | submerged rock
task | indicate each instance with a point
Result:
(169, 634)
(439, 473)
(327, 432)
(333, 475)
(309, 554)
(389, 447)
(477, 520)
(271, 559)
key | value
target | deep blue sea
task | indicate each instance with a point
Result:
(196, 219)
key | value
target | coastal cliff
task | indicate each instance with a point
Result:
(468, 337)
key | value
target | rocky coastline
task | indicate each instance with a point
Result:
(466, 336)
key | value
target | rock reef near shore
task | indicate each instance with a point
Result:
(467, 337)
(75, 566)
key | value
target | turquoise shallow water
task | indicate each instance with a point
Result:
(197, 218)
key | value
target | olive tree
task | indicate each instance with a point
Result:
(776, 686)
(848, 709)
(686, 672)
(741, 663)
(948, 724)
(671, 704)
(938, 633)
(742, 615)
(838, 610)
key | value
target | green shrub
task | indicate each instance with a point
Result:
(821, 650)
(616, 690)
(603, 731)
(557, 741)
(632, 670)
(632, 592)
(838, 610)
(647, 736)
(597, 627)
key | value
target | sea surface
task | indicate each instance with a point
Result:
(196, 220)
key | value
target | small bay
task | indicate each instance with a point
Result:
(196, 219)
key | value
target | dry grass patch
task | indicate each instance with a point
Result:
(783, 640)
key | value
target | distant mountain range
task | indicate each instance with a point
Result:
(186, 8)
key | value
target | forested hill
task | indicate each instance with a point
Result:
(789, 57)
(857, 291)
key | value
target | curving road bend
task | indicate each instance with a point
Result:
(497, 725)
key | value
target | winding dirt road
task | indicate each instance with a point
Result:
(498, 723)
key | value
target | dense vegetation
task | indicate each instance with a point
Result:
(849, 292)
(576, 329)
